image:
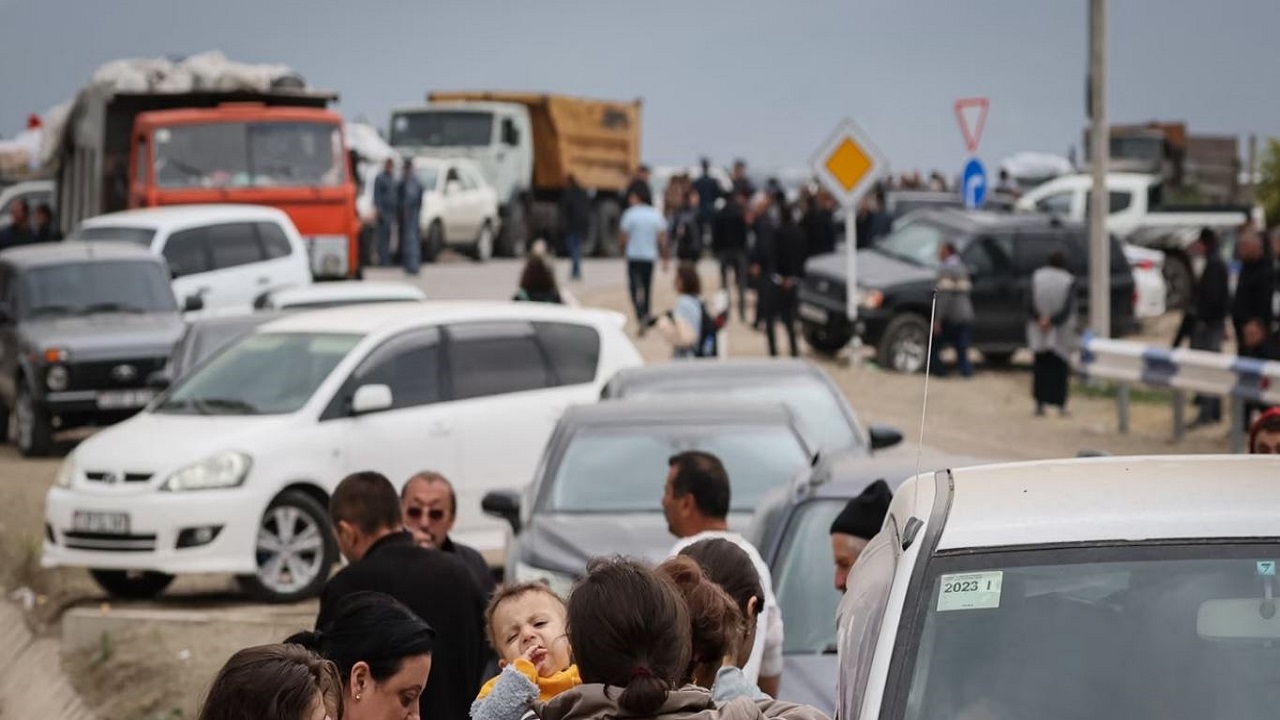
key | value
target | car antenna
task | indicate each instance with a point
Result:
(928, 362)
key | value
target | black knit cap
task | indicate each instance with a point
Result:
(864, 515)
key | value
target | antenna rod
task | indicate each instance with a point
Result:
(928, 361)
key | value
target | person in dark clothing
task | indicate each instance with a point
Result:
(640, 185)
(575, 209)
(686, 234)
(1206, 319)
(385, 201)
(709, 191)
(729, 242)
(538, 283)
(777, 260)
(430, 508)
(436, 586)
(44, 231)
(18, 232)
(874, 221)
(819, 225)
(764, 227)
(742, 184)
(1255, 285)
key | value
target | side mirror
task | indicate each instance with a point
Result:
(883, 436)
(503, 504)
(510, 135)
(193, 303)
(159, 380)
(453, 187)
(370, 399)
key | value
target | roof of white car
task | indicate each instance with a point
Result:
(1115, 179)
(393, 317)
(179, 216)
(1113, 499)
(346, 291)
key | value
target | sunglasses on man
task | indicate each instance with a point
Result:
(435, 514)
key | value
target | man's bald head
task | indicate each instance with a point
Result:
(429, 507)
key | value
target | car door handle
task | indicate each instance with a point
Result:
(440, 428)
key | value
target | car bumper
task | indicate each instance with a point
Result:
(831, 314)
(93, 404)
(156, 519)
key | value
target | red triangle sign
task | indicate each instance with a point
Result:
(972, 130)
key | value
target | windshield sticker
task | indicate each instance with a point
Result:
(1267, 568)
(970, 591)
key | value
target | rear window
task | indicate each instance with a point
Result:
(574, 351)
(134, 235)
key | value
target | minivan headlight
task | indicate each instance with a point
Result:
(222, 470)
(66, 473)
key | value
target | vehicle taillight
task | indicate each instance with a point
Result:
(1145, 265)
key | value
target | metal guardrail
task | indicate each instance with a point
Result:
(1238, 379)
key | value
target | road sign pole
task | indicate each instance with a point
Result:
(851, 263)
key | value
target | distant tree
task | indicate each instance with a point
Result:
(1269, 184)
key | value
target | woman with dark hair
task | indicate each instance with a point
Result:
(631, 636)
(274, 682)
(383, 656)
(537, 282)
(1051, 332)
(729, 566)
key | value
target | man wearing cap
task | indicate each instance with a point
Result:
(854, 527)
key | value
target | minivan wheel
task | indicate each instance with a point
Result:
(32, 432)
(823, 339)
(905, 345)
(294, 550)
(131, 584)
(483, 249)
(433, 243)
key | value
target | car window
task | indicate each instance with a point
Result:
(989, 257)
(574, 351)
(495, 359)
(1032, 250)
(468, 179)
(803, 577)
(275, 244)
(1117, 200)
(1056, 204)
(187, 252)
(233, 244)
(409, 365)
(82, 287)
(916, 242)
(861, 615)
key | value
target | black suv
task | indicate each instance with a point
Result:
(82, 326)
(896, 278)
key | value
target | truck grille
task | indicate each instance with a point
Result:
(108, 542)
(111, 374)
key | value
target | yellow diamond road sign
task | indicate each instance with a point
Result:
(848, 163)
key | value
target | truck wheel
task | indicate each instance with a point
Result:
(130, 585)
(483, 249)
(295, 550)
(433, 242)
(31, 429)
(514, 239)
(824, 340)
(603, 238)
(1178, 281)
(905, 345)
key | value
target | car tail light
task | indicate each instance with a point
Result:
(1145, 265)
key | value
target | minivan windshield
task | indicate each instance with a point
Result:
(261, 374)
(916, 242)
(94, 286)
(1181, 632)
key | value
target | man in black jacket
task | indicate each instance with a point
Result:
(729, 242)
(1254, 287)
(575, 211)
(777, 263)
(1211, 303)
(819, 225)
(435, 585)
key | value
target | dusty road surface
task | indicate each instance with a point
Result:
(161, 669)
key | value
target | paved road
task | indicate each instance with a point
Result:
(456, 278)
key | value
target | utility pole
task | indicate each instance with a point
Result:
(1099, 141)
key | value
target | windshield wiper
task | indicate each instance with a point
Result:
(215, 405)
(111, 307)
(52, 310)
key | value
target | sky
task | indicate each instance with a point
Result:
(766, 80)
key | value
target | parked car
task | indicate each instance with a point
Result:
(897, 276)
(334, 294)
(256, 438)
(1178, 268)
(81, 328)
(204, 337)
(824, 414)
(35, 192)
(986, 595)
(599, 486)
(459, 208)
(220, 256)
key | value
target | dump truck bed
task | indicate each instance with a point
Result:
(597, 141)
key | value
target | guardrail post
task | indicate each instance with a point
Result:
(1122, 406)
(1179, 415)
(1237, 407)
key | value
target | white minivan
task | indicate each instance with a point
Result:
(220, 256)
(231, 469)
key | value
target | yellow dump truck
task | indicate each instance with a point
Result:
(527, 145)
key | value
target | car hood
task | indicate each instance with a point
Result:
(875, 269)
(107, 335)
(131, 445)
(810, 680)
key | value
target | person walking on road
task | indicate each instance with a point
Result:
(1206, 319)
(383, 557)
(954, 322)
(777, 262)
(384, 202)
(709, 191)
(729, 243)
(576, 211)
(686, 232)
(854, 527)
(410, 219)
(1051, 332)
(643, 236)
(762, 221)
(819, 225)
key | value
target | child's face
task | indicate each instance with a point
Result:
(531, 626)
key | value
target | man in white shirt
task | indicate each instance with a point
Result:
(695, 501)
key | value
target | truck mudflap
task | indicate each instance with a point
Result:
(330, 259)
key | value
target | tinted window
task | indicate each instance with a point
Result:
(495, 358)
(409, 365)
(1032, 251)
(275, 244)
(916, 242)
(804, 578)
(574, 351)
(103, 285)
(232, 245)
(1056, 204)
(989, 257)
(135, 235)
(187, 252)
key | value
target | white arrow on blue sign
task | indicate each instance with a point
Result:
(973, 182)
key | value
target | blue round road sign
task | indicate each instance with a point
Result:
(973, 183)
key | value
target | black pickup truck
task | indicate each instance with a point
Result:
(82, 326)
(896, 278)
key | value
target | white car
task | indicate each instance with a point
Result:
(333, 294)
(1126, 587)
(230, 470)
(1149, 287)
(220, 256)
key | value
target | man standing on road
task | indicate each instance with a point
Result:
(695, 501)
(643, 236)
(575, 208)
(436, 586)
(640, 185)
(764, 229)
(954, 323)
(1254, 287)
(819, 225)
(410, 219)
(729, 242)
(384, 202)
(854, 527)
(430, 509)
(709, 191)
(778, 265)
(1210, 304)
(741, 183)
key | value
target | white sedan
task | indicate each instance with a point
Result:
(459, 208)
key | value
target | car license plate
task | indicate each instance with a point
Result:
(123, 399)
(107, 523)
(813, 312)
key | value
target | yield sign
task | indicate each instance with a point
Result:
(972, 128)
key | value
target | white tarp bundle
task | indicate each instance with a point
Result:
(208, 71)
(364, 139)
(1036, 165)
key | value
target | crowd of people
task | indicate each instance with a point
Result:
(415, 626)
(27, 228)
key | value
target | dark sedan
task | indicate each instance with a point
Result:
(598, 488)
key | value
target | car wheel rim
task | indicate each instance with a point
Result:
(909, 352)
(24, 420)
(290, 550)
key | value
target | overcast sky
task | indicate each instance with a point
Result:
(764, 79)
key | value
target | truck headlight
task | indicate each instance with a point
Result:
(560, 583)
(57, 378)
(222, 470)
(66, 473)
(872, 299)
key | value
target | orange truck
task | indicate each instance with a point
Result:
(281, 148)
